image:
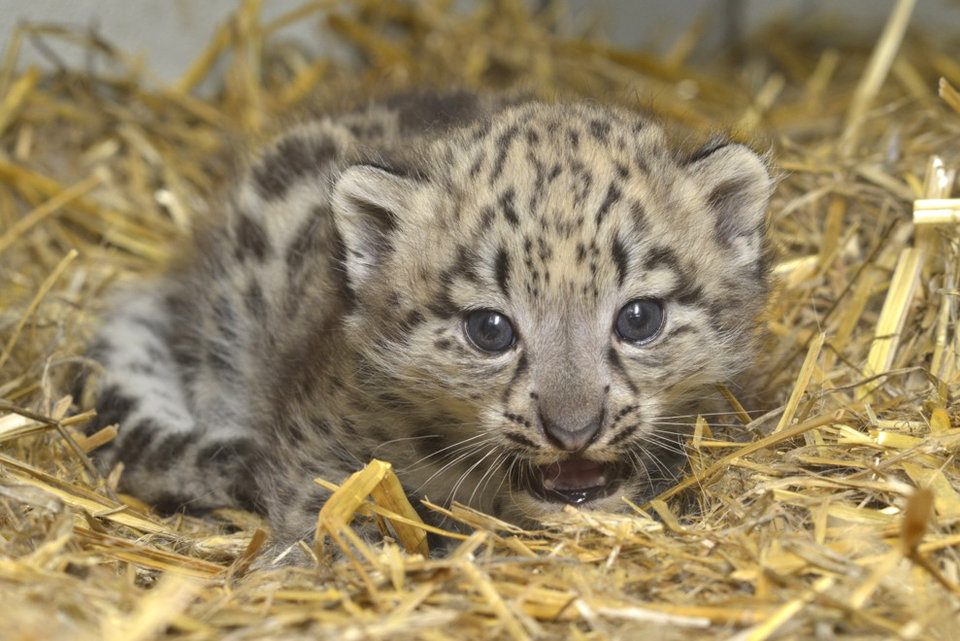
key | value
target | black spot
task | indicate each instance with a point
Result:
(171, 449)
(442, 344)
(502, 270)
(366, 129)
(507, 207)
(623, 411)
(486, 218)
(613, 195)
(477, 164)
(292, 429)
(136, 439)
(623, 435)
(324, 428)
(292, 159)
(179, 307)
(687, 293)
(503, 147)
(620, 259)
(254, 301)
(482, 130)
(638, 214)
(235, 460)
(112, 407)
(251, 238)
(661, 257)
(538, 184)
(544, 250)
(225, 318)
(614, 359)
(584, 180)
(519, 370)
(521, 439)
(714, 144)
(466, 264)
(246, 492)
(516, 418)
(533, 138)
(170, 502)
(574, 137)
(395, 166)
(408, 324)
(186, 354)
(581, 252)
(600, 130)
(442, 305)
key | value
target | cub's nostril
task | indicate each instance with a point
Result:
(571, 440)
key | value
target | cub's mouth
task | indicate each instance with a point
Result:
(575, 480)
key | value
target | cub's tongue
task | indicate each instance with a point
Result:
(573, 474)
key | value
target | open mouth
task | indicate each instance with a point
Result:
(575, 481)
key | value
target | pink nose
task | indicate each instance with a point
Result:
(571, 440)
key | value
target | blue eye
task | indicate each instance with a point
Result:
(489, 330)
(640, 321)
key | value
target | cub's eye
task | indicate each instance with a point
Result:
(489, 330)
(640, 320)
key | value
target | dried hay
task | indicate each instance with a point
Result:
(838, 516)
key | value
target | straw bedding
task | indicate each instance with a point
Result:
(825, 502)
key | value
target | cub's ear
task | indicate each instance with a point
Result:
(736, 184)
(369, 203)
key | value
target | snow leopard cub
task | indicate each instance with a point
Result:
(505, 299)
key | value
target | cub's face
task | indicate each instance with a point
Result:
(543, 292)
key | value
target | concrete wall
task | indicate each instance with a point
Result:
(169, 34)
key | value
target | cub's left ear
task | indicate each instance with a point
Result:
(737, 186)
(369, 203)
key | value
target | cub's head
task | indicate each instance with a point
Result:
(538, 292)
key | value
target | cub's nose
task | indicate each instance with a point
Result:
(570, 438)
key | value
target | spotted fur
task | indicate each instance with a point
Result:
(319, 321)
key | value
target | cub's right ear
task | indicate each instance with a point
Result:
(369, 203)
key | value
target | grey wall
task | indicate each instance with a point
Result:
(171, 33)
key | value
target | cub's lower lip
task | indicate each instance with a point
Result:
(575, 481)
